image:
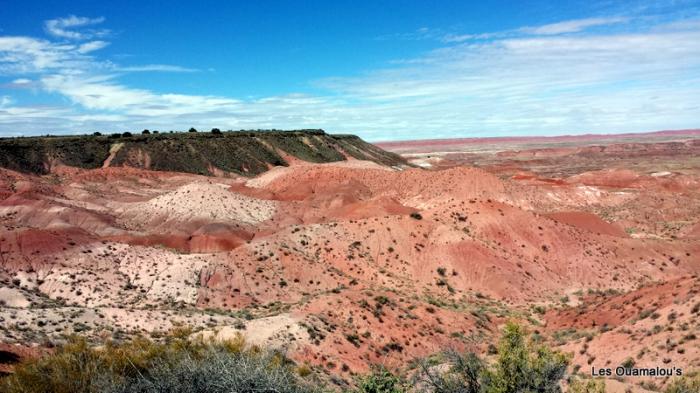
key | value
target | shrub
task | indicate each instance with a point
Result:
(416, 216)
(126, 134)
(465, 375)
(215, 131)
(217, 371)
(97, 133)
(520, 367)
(590, 386)
(539, 309)
(354, 339)
(684, 385)
(146, 132)
(193, 129)
(695, 309)
(381, 380)
(628, 363)
(140, 365)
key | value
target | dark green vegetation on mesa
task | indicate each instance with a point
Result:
(243, 152)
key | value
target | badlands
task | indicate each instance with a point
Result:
(593, 244)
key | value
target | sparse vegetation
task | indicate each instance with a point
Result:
(589, 386)
(381, 380)
(520, 367)
(139, 365)
(182, 364)
(525, 367)
(687, 384)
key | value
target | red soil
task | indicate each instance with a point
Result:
(589, 222)
(12, 354)
(419, 259)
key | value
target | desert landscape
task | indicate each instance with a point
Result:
(350, 197)
(343, 254)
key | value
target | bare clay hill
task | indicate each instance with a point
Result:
(354, 261)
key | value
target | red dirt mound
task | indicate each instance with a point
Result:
(589, 222)
(614, 310)
(617, 178)
(410, 185)
(30, 247)
(207, 239)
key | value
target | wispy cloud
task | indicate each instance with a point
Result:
(453, 38)
(69, 27)
(555, 78)
(572, 26)
(156, 68)
(543, 84)
(91, 46)
(569, 26)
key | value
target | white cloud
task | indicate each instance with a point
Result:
(26, 54)
(68, 27)
(156, 68)
(452, 38)
(103, 93)
(92, 46)
(542, 84)
(572, 26)
(541, 81)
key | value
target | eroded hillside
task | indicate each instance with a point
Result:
(350, 263)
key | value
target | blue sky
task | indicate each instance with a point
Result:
(382, 70)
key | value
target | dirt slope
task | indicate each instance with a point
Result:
(349, 263)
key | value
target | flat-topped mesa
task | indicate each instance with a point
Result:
(246, 153)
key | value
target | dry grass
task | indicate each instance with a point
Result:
(179, 364)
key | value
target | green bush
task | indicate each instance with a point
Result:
(177, 365)
(465, 375)
(520, 367)
(381, 380)
(689, 384)
(590, 386)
